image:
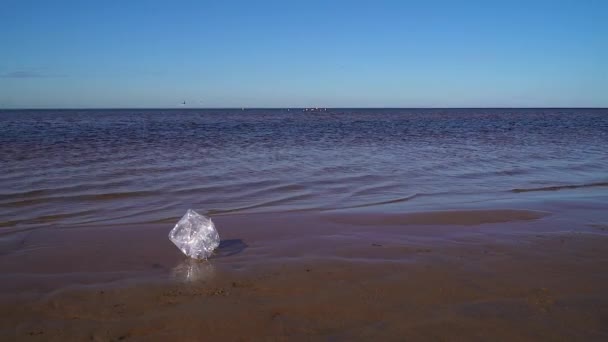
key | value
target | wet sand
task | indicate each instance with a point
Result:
(475, 274)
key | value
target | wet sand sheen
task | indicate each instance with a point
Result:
(445, 217)
(496, 274)
(497, 300)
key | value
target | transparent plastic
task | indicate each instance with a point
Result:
(195, 235)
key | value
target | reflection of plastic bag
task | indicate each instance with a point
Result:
(193, 270)
(195, 235)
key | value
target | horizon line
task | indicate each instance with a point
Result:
(276, 108)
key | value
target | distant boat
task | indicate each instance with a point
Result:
(315, 109)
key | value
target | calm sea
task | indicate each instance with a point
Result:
(78, 167)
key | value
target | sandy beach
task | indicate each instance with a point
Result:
(467, 274)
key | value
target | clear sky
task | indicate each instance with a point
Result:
(298, 53)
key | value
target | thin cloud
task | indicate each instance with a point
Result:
(28, 74)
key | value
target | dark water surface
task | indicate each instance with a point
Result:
(69, 167)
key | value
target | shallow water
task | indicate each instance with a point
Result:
(75, 167)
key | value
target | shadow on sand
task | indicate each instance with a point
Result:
(229, 248)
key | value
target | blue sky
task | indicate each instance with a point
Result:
(303, 53)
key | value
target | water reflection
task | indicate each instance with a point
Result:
(191, 270)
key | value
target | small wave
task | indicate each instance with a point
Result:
(26, 194)
(115, 195)
(44, 219)
(51, 192)
(374, 189)
(232, 187)
(391, 201)
(561, 187)
(440, 217)
(266, 204)
(131, 214)
(170, 219)
(88, 197)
